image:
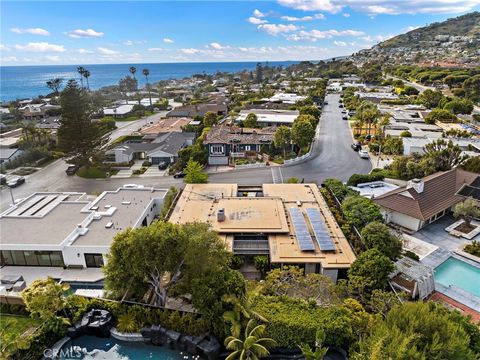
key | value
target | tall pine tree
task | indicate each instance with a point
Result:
(78, 137)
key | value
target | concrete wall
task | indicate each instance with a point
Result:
(402, 220)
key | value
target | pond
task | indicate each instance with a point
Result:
(91, 347)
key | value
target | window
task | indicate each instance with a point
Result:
(216, 149)
(94, 260)
(31, 258)
(247, 147)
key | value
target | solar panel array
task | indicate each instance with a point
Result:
(305, 242)
(470, 191)
(320, 230)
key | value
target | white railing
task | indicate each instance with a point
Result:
(248, 166)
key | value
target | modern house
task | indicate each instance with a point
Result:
(270, 117)
(68, 230)
(291, 223)
(120, 111)
(192, 111)
(287, 98)
(164, 148)
(422, 201)
(417, 144)
(165, 125)
(376, 97)
(225, 143)
(33, 111)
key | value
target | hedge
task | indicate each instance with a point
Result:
(356, 179)
(294, 321)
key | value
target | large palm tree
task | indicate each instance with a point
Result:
(81, 71)
(146, 72)
(133, 70)
(86, 74)
(253, 346)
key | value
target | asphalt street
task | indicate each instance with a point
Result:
(331, 157)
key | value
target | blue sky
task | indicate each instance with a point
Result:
(39, 32)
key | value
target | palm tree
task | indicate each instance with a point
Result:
(133, 70)
(81, 71)
(86, 74)
(146, 72)
(253, 346)
(319, 352)
(239, 315)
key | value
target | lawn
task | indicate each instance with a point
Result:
(91, 173)
(17, 325)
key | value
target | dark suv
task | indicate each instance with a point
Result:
(71, 170)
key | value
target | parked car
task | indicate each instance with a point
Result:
(345, 118)
(325, 103)
(340, 106)
(179, 174)
(16, 182)
(344, 111)
(71, 169)
(351, 113)
(363, 154)
(356, 146)
(162, 165)
(3, 179)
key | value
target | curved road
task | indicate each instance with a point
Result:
(332, 157)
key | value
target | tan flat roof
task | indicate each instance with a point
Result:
(166, 125)
(269, 215)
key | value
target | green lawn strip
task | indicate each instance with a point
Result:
(18, 324)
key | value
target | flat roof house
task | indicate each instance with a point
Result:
(422, 201)
(69, 230)
(289, 222)
(416, 144)
(225, 143)
(270, 117)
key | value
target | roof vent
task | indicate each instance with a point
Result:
(299, 203)
(108, 225)
(126, 202)
(416, 184)
(221, 215)
(107, 206)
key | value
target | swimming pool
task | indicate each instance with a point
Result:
(460, 274)
(91, 347)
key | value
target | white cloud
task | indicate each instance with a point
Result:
(84, 51)
(347, 15)
(258, 14)
(377, 38)
(31, 31)
(10, 59)
(128, 43)
(105, 51)
(255, 21)
(312, 5)
(391, 7)
(189, 51)
(314, 35)
(156, 49)
(87, 33)
(275, 29)
(340, 43)
(304, 18)
(40, 47)
(4, 47)
(54, 58)
(168, 41)
(216, 46)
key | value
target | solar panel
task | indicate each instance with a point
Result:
(320, 230)
(470, 191)
(305, 242)
(476, 182)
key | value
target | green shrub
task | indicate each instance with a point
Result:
(473, 248)
(146, 163)
(237, 262)
(411, 255)
(91, 173)
(126, 323)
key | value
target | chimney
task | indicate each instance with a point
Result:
(416, 184)
(221, 215)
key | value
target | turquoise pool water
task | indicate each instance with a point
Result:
(91, 347)
(460, 274)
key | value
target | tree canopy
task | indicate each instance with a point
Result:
(210, 119)
(250, 121)
(361, 211)
(194, 173)
(302, 132)
(173, 259)
(377, 235)
(78, 137)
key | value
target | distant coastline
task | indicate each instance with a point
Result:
(20, 82)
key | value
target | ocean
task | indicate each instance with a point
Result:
(21, 82)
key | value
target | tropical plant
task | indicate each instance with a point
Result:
(240, 314)
(253, 346)
(9, 342)
(319, 352)
(86, 75)
(81, 71)
(126, 323)
(145, 73)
